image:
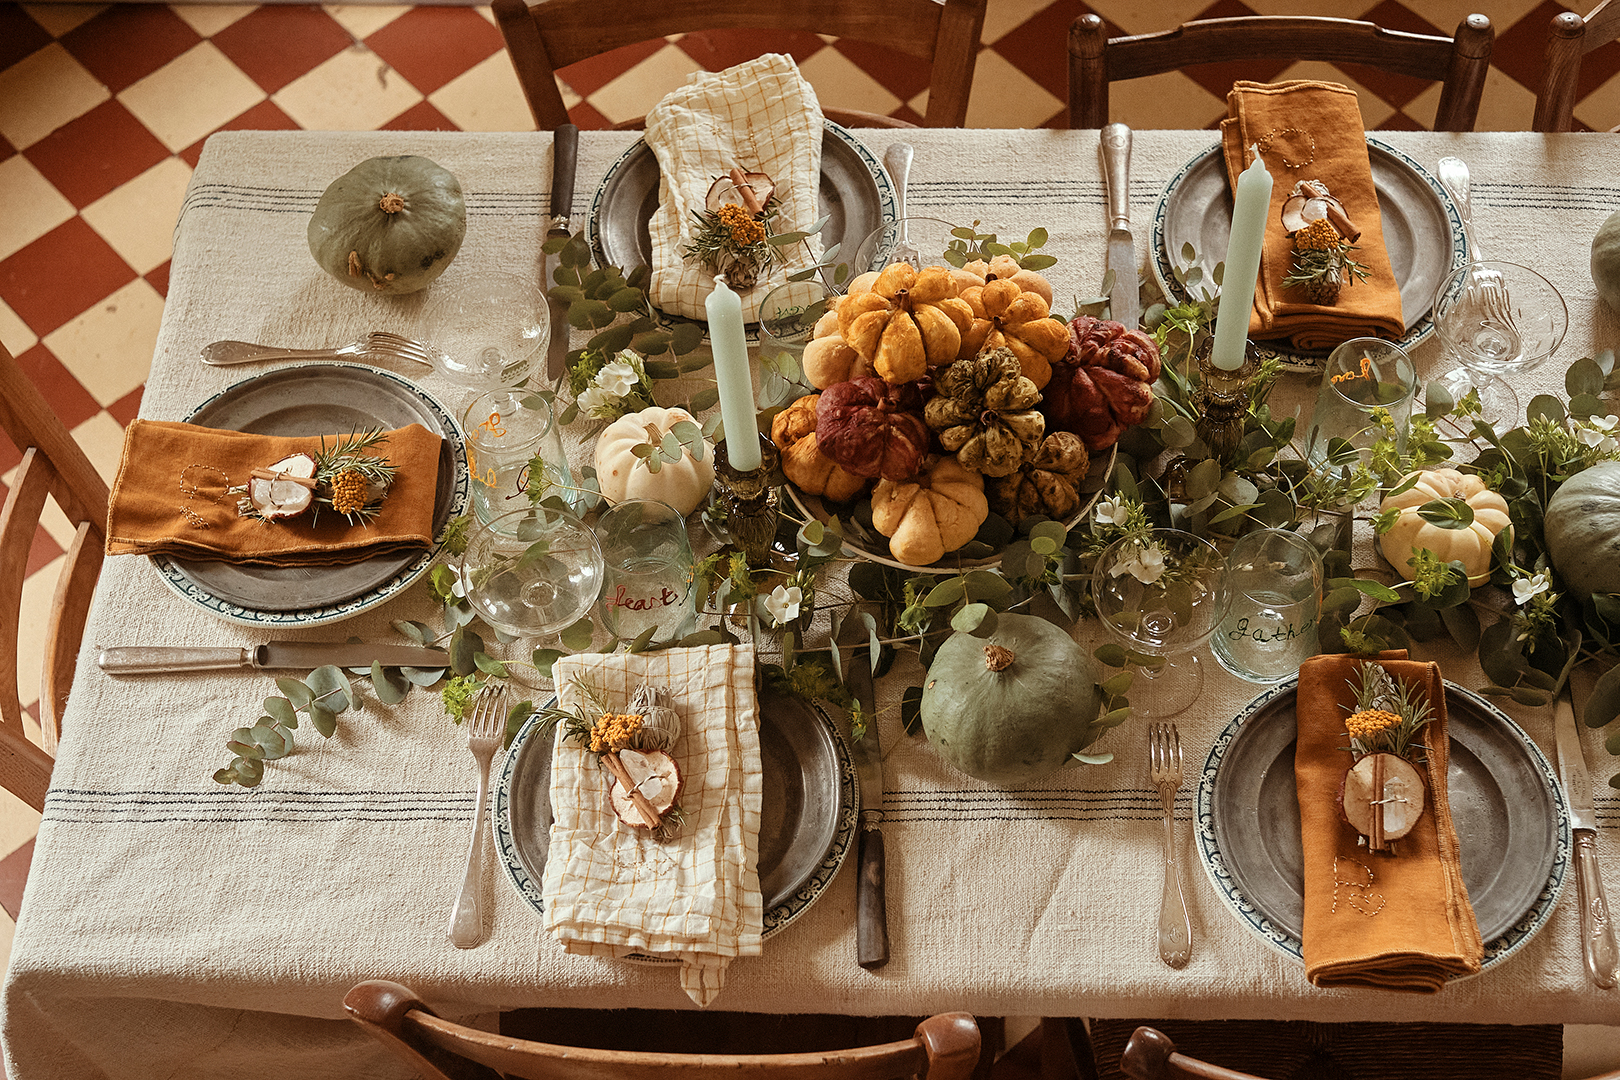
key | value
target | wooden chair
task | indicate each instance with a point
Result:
(945, 1047)
(1151, 1055)
(1095, 60)
(53, 464)
(1569, 39)
(555, 33)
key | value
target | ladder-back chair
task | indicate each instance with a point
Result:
(1569, 39)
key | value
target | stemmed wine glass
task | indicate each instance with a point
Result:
(1495, 317)
(532, 572)
(1162, 595)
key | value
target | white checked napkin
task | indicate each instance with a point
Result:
(610, 889)
(760, 116)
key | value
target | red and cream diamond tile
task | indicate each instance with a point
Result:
(353, 91)
(56, 277)
(90, 156)
(43, 91)
(279, 42)
(33, 206)
(138, 218)
(840, 84)
(486, 97)
(1005, 97)
(20, 35)
(108, 346)
(431, 46)
(631, 95)
(103, 44)
(66, 394)
(170, 103)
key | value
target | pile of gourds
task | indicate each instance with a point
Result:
(946, 393)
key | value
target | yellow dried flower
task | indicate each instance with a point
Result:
(614, 731)
(349, 490)
(741, 224)
(1366, 723)
(1319, 235)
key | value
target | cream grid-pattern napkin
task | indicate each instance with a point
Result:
(610, 889)
(761, 116)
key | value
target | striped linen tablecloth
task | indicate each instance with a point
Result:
(176, 927)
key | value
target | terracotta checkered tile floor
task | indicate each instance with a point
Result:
(104, 110)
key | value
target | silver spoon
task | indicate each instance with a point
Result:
(1454, 178)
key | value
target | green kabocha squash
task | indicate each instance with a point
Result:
(390, 224)
(1582, 528)
(1011, 707)
(1606, 260)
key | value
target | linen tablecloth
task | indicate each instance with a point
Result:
(175, 927)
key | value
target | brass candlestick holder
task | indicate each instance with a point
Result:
(743, 503)
(1223, 402)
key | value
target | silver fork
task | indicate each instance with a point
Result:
(897, 159)
(376, 343)
(1164, 768)
(486, 725)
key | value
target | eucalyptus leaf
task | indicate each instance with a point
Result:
(976, 619)
(324, 719)
(1603, 705)
(578, 636)
(297, 693)
(281, 711)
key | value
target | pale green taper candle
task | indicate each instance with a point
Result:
(733, 375)
(1251, 207)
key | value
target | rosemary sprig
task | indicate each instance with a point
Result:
(350, 479)
(733, 242)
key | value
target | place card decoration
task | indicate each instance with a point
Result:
(346, 477)
(644, 782)
(1383, 794)
(1324, 236)
(732, 235)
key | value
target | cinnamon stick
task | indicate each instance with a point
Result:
(649, 816)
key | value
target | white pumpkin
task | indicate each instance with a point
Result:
(622, 475)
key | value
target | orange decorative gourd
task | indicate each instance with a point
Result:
(905, 321)
(793, 430)
(936, 512)
(1005, 316)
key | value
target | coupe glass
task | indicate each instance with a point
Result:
(1492, 318)
(532, 572)
(1162, 596)
(787, 321)
(485, 329)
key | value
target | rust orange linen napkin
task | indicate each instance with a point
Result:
(1312, 131)
(1394, 922)
(170, 499)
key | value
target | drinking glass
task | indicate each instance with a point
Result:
(648, 571)
(1492, 318)
(1270, 628)
(485, 329)
(532, 572)
(787, 321)
(1361, 376)
(506, 431)
(1162, 596)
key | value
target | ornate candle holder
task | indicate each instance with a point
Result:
(745, 502)
(1223, 402)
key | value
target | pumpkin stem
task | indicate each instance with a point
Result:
(391, 203)
(998, 657)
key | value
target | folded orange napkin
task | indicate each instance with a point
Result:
(170, 498)
(1309, 130)
(1395, 922)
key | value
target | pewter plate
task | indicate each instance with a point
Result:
(856, 196)
(1512, 823)
(1422, 233)
(807, 820)
(862, 540)
(319, 399)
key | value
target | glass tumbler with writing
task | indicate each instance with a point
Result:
(1270, 629)
(507, 431)
(648, 571)
(1367, 389)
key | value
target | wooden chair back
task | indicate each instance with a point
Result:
(52, 464)
(1151, 1055)
(555, 33)
(945, 1047)
(1459, 62)
(1569, 39)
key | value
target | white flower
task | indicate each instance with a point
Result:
(1525, 588)
(617, 378)
(592, 399)
(1145, 563)
(1112, 511)
(783, 604)
(1608, 423)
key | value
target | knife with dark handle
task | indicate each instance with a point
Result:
(152, 659)
(1597, 927)
(1124, 301)
(564, 163)
(871, 910)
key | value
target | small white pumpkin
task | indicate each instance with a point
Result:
(622, 475)
(1471, 546)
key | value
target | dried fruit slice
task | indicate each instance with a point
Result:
(285, 489)
(1382, 798)
(652, 774)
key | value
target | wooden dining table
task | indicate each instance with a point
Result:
(173, 926)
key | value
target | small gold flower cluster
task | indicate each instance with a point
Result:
(1319, 235)
(1367, 723)
(742, 225)
(614, 731)
(349, 491)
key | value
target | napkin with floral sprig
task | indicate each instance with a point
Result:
(760, 117)
(1308, 130)
(611, 889)
(177, 494)
(1397, 921)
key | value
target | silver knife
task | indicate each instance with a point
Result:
(564, 159)
(149, 659)
(1597, 930)
(871, 911)
(1124, 300)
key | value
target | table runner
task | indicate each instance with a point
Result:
(174, 927)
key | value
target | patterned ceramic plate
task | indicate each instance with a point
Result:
(1508, 808)
(807, 823)
(319, 399)
(1422, 232)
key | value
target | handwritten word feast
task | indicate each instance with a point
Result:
(1364, 373)
(666, 596)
